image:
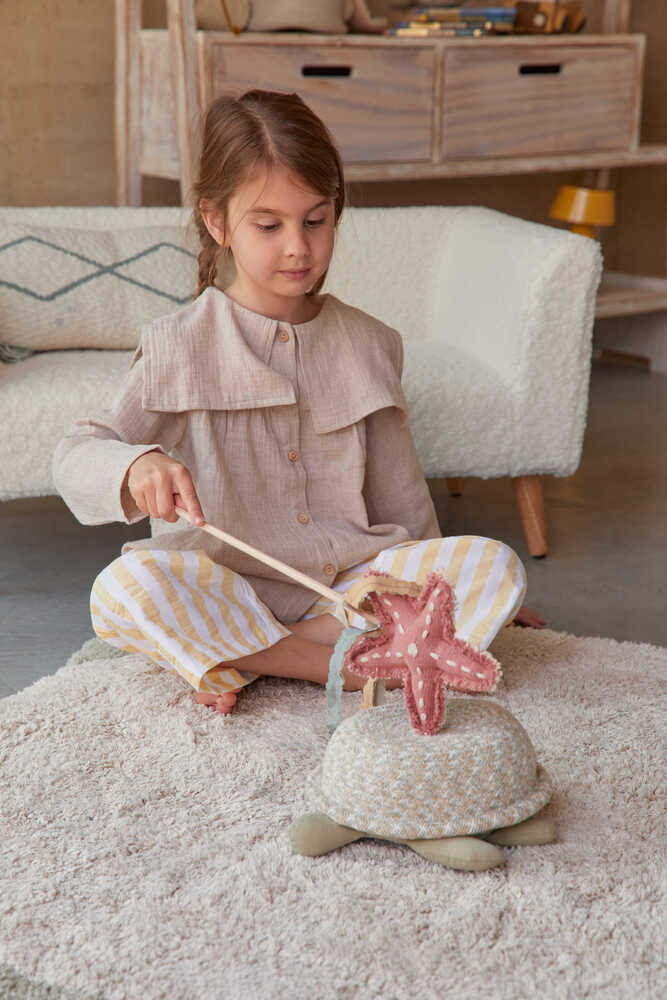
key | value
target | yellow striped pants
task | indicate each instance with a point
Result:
(198, 618)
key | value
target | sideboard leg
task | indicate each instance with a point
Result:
(530, 500)
(182, 29)
(128, 102)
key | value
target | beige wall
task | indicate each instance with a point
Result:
(56, 102)
(56, 120)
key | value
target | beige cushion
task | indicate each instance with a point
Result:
(331, 17)
(40, 399)
(327, 16)
(90, 288)
(209, 14)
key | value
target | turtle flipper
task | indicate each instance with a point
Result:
(534, 830)
(316, 834)
(468, 854)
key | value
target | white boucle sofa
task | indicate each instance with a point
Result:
(496, 315)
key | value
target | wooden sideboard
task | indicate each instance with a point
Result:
(399, 108)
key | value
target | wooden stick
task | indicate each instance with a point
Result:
(295, 574)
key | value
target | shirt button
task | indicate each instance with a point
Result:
(303, 518)
(283, 335)
(292, 455)
(329, 569)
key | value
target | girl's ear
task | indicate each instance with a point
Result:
(214, 220)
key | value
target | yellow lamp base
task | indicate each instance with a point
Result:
(584, 208)
(583, 230)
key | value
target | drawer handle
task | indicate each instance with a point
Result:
(326, 71)
(529, 69)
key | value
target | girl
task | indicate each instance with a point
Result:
(278, 412)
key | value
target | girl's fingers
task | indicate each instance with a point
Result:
(197, 519)
(164, 501)
(157, 483)
(186, 495)
(150, 506)
(141, 502)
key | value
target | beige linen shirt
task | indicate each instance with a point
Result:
(296, 437)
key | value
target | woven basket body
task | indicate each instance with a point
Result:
(478, 773)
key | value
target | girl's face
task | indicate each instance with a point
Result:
(282, 235)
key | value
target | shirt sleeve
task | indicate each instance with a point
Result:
(91, 462)
(395, 490)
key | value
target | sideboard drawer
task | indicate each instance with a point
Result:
(378, 102)
(540, 98)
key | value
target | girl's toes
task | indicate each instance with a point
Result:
(225, 703)
(218, 702)
(528, 619)
(205, 698)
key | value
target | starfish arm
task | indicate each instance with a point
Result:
(372, 655)
(467, 669)
(372, 661)
(425, 700)
(437, 593)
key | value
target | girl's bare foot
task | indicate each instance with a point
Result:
(528, 619)
(223, 703)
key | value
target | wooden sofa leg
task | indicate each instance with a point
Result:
(455, 487)
(530, 500)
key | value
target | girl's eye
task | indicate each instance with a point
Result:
(274, 226)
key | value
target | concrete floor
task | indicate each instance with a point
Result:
(605, 575)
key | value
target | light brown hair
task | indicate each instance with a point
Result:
(260, 129)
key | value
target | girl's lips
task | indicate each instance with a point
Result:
(296, 274)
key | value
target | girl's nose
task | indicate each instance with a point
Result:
(297, 244)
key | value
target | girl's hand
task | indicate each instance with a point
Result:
(158, 483)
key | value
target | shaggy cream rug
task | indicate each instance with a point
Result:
(145, 850)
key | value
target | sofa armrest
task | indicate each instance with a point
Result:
(515, 299)
(520, 298)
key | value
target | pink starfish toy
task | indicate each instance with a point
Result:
(417, 642)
